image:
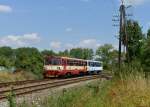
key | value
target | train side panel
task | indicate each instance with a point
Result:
(65, 66)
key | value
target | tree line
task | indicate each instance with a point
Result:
(29, 59)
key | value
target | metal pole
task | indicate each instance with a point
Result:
(120, 34)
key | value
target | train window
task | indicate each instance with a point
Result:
(85, 63)
(63, 62)
(82, 63)
(76, 63)
(94, 64)
(79, 63)
(91, 64)
(67, 62)
(98, 64)
(71, 62)
(46, 62)
(54, 61)
(88, 63)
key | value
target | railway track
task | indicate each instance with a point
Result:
(27, 87)
(5, 84)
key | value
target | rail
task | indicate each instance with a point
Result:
(34, 86)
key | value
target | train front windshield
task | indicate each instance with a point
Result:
(52, 61)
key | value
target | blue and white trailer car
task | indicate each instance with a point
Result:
(94, 67)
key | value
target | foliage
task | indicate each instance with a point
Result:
(148, 33)
(19, 76)
(135, 36)
(126, 69)
(87, 53)
(48, 53)
(65, 53)
(6, 57)
(73, 97)
(107, 54)
(80, 53)
(29, 59)
(145, 57)
(129, 91)
(11, 97)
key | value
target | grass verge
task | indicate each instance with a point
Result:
(128, 91)
(20, 76)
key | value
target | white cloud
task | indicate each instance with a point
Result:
(55, 44)
(68, 29)
(135, 2)
(69, 46)
(88, 43)
(19, 40)
(5, 9)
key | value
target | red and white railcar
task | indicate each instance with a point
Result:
(64, 66)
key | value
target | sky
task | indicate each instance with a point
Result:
(64, 24)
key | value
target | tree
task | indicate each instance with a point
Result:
(64, 53)
(29, 59)
(88, 53)
(104, 52)
(80, 53)
(76, 53)
(145, 59)
(7, 57)
(145, 54)
(48, 53)
(135, 36)
(148, 33)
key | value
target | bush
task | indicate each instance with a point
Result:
(29, 59)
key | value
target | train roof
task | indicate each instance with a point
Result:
(73, 58)
(64, 58)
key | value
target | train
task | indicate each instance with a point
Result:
(65, 67)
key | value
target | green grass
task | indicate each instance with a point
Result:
(84, 96)
(128, 91)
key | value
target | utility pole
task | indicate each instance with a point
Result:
(123, 38)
